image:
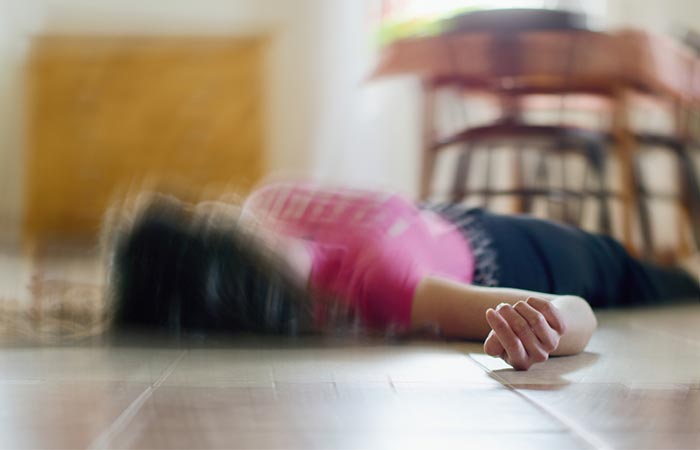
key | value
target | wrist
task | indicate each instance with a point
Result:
(580, 324)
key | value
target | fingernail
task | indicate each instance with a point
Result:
(501, 305)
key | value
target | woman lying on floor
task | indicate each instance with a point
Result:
(298, 257)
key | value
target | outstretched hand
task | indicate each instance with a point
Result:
(525, 333)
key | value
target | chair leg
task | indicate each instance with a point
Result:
(426, 175)
(604, 222)
(578, 215)
(541, 178)
(519, 179)
(428, 139)
(641, 196)
(597, 159)
(565, 201)
(692, 194)
(529, 184)
(625, 147)
(487, 177)
(459, 190)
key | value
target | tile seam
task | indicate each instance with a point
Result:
(568, 423)
(107, 436)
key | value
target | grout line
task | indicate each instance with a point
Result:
(103, 440)
(570, 424)
(391, 384)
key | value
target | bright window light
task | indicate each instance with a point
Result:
(401, 10)
(403, 18)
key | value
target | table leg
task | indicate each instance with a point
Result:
(625, 148)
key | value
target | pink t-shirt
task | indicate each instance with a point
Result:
(369, 248)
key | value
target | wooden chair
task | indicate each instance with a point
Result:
(505, 79)
(511, 79)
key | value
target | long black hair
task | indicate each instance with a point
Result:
(171, 270)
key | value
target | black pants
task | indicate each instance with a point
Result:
(544, 256)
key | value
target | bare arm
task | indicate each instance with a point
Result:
(459, 310)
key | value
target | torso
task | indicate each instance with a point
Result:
(369, 248)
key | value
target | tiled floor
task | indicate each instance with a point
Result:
(637, 386)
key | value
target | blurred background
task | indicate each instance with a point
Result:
(581, 111)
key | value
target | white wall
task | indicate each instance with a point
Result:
(663, 16)
(11, 51)
(368, 131)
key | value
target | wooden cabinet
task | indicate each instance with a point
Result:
(107, 113)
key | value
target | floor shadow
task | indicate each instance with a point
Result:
(544, 376)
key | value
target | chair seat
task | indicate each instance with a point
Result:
(509, 129)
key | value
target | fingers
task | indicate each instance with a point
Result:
(524, 334)
(492, 346)
(522, 329)
(548, 337)
(516, 354)
(550, 313)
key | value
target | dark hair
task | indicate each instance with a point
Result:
(171, 271)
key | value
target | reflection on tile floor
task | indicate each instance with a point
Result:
(56, 364)
(632, 389)
(637, 386)
(188, 416)
(633, 347)
(60, 414)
